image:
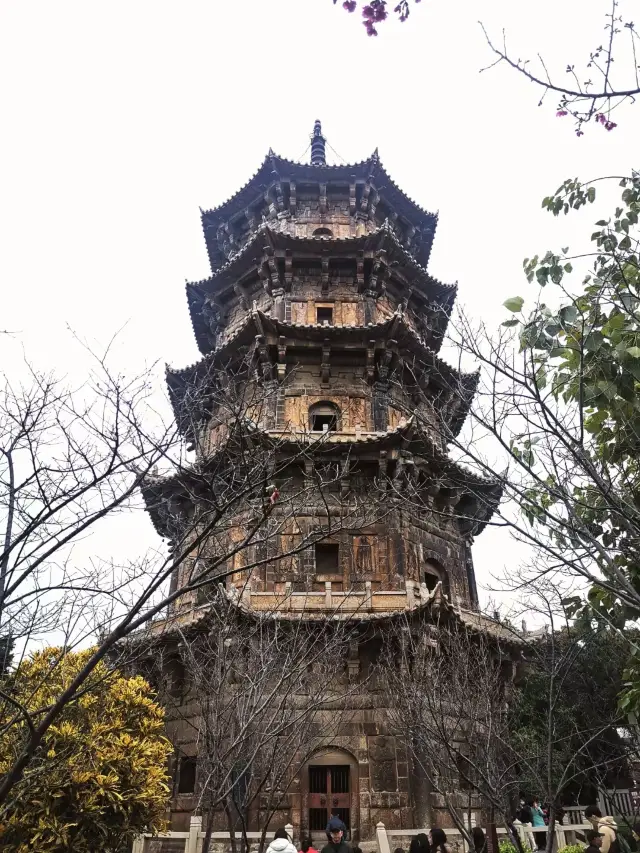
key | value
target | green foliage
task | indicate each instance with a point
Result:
(572, 848)
(507, 847)
(580, 675)
(99, 777)
(583, 358)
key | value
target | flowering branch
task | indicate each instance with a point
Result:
(595, 98)
(375, 11)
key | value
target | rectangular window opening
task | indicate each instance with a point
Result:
(327, 558)
(324, 316)
(187, 775)
(323, 423)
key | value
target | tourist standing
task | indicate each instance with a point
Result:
(281, 843)
(538, 821)
(479, 841)
(525, 816)
(336, 843)
(439, 841)
(306, 847)
(423, 840)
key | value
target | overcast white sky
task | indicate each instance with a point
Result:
(121, 118)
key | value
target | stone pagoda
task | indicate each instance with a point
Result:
(319, 278)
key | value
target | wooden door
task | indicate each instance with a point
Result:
(328, 795)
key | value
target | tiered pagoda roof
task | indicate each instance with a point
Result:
(192, 381)
(276, 171)
(475, 497)
(303, 242)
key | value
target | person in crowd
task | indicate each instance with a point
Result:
(356, 850)
(398, 850)
(524, 814)
(439, 841)
(335, 832)
(424, 845)
(306, 846)
(416, 846)
(281, 842)
(606, 826)
(538, 821)
(336, 822)
(479, 841)
(595, 841)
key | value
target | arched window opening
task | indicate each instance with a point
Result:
(324, 417)
(433, 575)
(323, 232)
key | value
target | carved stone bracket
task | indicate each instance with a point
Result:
(379, 273)
(364, 201)
(264, 359)
(242, 296)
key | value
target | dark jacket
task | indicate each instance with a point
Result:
(342, 847)
(592, 849)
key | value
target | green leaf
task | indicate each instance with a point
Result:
(514, 304)
(509, 323)
(568, 315)
(634, 352)
(593, 341)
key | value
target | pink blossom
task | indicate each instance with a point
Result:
(561, 113)
(349, 5)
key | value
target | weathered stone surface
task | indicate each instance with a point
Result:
(336, 318)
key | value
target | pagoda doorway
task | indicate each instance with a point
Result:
(330, 788)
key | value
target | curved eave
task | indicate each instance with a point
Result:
(275, 168)
(284, 168)
(466, 389)
(197, 619)
(180, 382)
(247, 260)
(479, 496)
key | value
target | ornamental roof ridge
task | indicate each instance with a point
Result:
(423, 210)
(468, 379)
(235, 195)
(273, 159)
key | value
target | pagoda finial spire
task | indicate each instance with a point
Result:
(317, 146)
